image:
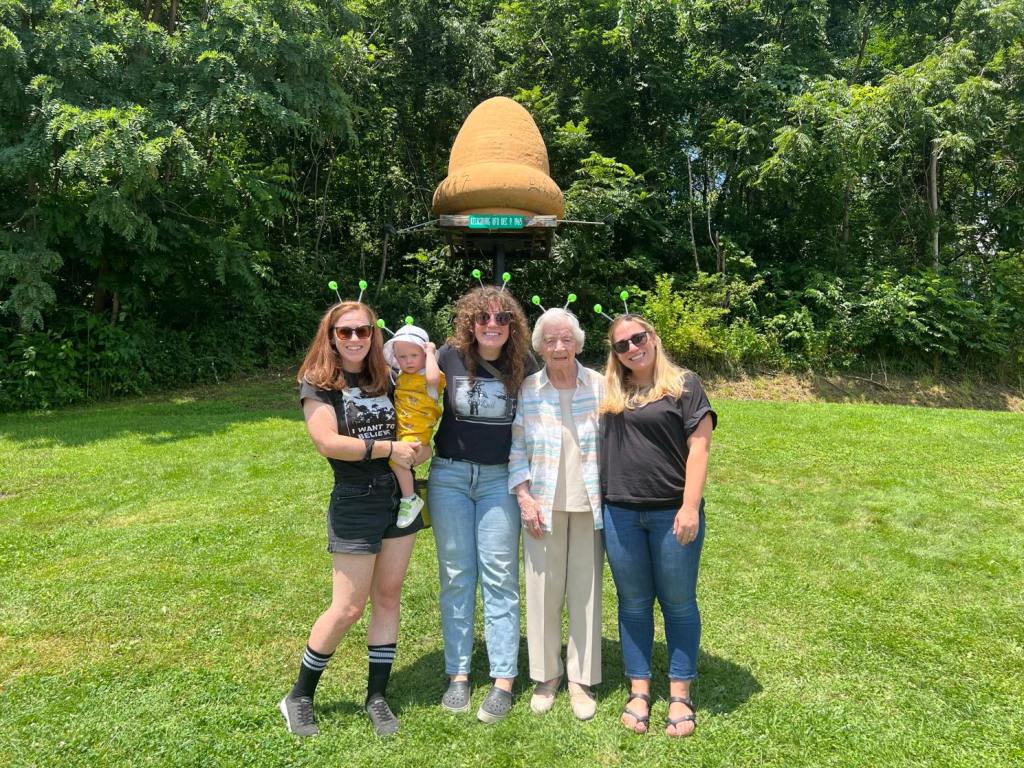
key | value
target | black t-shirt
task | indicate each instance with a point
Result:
(476, 424)
(358, 416)
(644, 452)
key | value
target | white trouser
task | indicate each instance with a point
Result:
(563, 567)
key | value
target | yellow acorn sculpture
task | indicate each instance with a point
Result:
(499, 164)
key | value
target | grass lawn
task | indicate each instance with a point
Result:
(162, 560)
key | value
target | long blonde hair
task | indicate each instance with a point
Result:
(620, 394)
(322, 366)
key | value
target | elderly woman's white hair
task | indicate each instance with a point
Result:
(557, 314)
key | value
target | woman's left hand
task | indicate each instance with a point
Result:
(686, 525)
(403, 453)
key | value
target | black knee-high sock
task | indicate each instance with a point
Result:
(381, 659)
(312, 666)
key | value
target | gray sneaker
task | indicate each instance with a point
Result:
(298, 715)
(384, 721)
(495, 706)
(456, 698)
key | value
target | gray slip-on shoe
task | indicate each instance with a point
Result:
(456, 698)
(495, 706)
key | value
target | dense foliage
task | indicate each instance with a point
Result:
(815, 183)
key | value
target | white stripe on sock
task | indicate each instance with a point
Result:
(318, 665)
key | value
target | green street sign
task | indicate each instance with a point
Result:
(496, 221)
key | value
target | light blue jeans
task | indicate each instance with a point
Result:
(476, 527)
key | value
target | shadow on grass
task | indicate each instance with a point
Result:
(722, 687)
(159, 420)
(422, 683)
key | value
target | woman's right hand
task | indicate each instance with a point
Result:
(404, 454)
(531, 515)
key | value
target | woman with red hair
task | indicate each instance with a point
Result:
(345, 390)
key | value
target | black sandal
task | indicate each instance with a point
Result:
(640, 719)
(692, 717)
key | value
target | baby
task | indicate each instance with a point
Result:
(419, 385)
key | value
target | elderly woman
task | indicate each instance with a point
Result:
(554, 472)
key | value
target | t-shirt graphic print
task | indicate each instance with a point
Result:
(368, 418)
(359, 416)
(481, 401)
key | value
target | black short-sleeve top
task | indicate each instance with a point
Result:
(358, 416)
(644, 451)
(476, 424)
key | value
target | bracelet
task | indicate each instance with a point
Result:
(391, 447)
(369, 443)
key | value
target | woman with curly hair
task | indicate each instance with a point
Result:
(655, 438)
(475, 518)
(345, 391)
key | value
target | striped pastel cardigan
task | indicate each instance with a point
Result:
(537, 438)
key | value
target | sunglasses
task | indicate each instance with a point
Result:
(344, 332)
(501, 318)
(637, 339)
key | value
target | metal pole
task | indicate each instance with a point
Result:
(499, 263)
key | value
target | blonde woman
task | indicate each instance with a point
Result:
(655, 439)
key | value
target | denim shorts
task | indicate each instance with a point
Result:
(362, 514)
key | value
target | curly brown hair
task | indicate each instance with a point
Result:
(322, 366)
(516, 350)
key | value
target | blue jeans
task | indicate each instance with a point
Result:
(476, 527)
(647, 562)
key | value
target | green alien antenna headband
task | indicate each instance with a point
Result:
(383, 326)
(535, 300)
(505, 276)
(599, 310)
(333, 285)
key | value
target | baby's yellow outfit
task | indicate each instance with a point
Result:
(417, 411)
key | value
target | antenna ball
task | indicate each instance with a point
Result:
(598, 309)
(535, 300)
(333, 285)
(572, 297)
(380, 322)
(476, 273)
(408, 319)
(362, 285)
(506, 276)
(624, 295)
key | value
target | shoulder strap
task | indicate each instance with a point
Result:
(488, 367)
(494, 371)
